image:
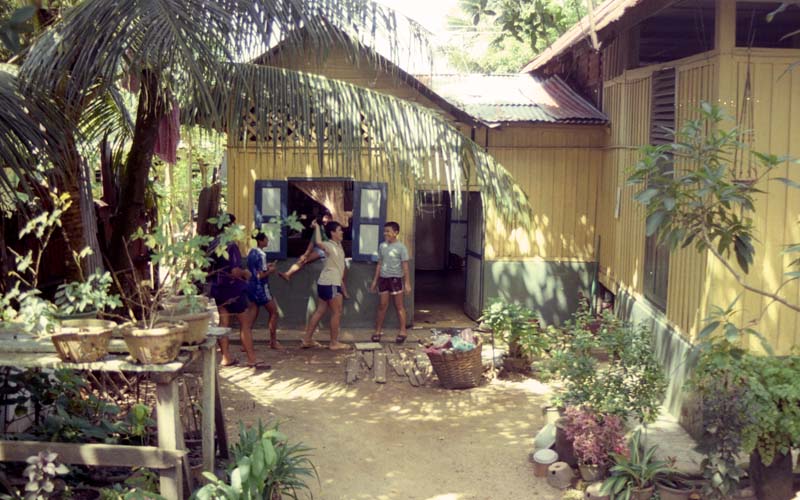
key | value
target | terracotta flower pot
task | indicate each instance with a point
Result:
(196, 324)
(642, 494)
(83, 340)
(157, 345)
(666, 492)
(591, 473)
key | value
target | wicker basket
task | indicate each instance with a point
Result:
(457, 369)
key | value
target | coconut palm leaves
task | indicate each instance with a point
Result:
(341, 122)
(30, 131)
(182, 40)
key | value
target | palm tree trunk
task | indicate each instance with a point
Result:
(131, 208)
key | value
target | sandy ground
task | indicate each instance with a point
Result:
(393, 441)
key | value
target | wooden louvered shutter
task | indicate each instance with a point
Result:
(662, 126)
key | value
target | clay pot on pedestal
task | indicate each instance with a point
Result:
(82, 340)
(158, 345)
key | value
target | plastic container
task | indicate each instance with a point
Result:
(542, 460)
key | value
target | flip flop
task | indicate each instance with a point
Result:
(312, 344)
(376, 337)
(259, 365)
(400, 339)
(232, 363)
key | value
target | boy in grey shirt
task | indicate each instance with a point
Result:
(392, 277)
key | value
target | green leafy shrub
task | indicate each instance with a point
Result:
(517, 326)
(632, 384)
(264, 466)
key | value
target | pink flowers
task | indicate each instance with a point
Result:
(594, 436)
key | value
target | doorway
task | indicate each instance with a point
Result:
(440, 243)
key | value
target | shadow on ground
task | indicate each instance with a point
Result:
(394, 441)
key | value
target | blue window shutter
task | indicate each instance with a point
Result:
(369, 216)
(270, 208)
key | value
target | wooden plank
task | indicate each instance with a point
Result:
(171, 482)
(368, 346)
(209, 390)
(369, 358)
(351, 370)
(380, 368)
(107, 455)
(219, 423)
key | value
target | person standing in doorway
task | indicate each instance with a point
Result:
(392, 278)
(331, 288)
(258, 286)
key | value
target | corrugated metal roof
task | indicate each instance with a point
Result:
(603, 15)
(514, 98)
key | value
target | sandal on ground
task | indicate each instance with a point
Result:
(339, 347)
(233, 362)
(259, 365)
(376, 337)
(309, 345)
(400, 339)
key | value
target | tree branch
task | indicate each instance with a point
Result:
(739, 279)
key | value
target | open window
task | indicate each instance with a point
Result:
(310, 199)
(270, 210)
(359, 206)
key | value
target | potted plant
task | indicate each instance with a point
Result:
(634, 473)
(594, 437)
(263, 465)
(516, 325)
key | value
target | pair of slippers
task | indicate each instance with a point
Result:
(398, 340)
(257, 366)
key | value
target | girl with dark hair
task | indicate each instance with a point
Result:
(229, 291)
(331, 288)
(258, 286)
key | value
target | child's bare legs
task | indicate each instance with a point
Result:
(322, 308)
(304, 259)
(383, 306)
(400, 305)
(336, 318)
(246, 320)
(223, 342)
(272, 309)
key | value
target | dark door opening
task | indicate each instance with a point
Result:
(440, 230)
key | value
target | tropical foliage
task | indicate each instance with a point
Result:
(501, 36)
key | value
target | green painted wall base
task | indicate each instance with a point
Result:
(675, 353)
(297, 299)
(551, 289)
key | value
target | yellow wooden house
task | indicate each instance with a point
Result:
(648, 63)
(539, 129)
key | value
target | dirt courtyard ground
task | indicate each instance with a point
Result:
(393, 441)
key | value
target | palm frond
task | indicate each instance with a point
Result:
(342, 122)
(101, 41)
(30, 132)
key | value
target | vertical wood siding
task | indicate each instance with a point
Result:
(627, 102)
(558, 167)
(776, 126)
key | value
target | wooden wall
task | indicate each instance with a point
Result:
(620, 222)
(776, 126)
(558, 167)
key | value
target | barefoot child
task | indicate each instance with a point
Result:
(258, 285)
(391, 278)
(331, 288)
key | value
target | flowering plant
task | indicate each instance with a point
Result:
(594, 436)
